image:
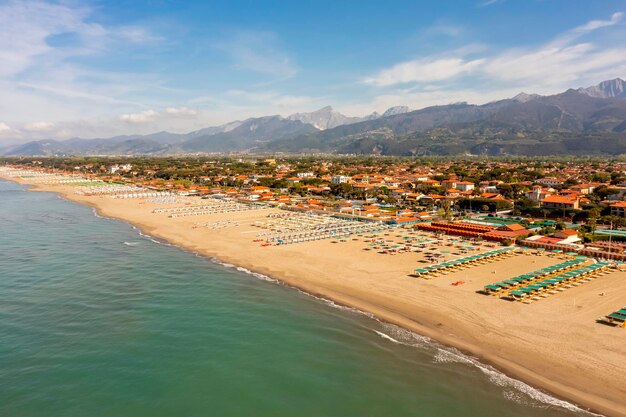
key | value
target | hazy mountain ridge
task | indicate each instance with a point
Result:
(250, 134)
(520, 125)
(505, 126)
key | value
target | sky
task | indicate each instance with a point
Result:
(103, 68)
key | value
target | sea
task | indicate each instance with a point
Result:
(98, 319)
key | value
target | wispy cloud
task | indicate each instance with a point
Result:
(148, 116)
(181, 112)
(258, 52)
(39, 126)
(588, 27)
(41, 44)
(141, 117)
(486, 3)
(32, 32)
(480, 75)
(558, 62)
(423, 70)
(269, 98)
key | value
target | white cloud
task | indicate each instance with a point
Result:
(478, 76)
(148, 116)
(181, 112)
(258, 52)
(582, 30)
(39, 126)
(142, 117)
(562, 61)
(4, 128)
(29, 30)
(39, 75)
(423, 70)
(597, 24)
(553, 65)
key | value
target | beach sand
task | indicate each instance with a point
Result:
(554, 344)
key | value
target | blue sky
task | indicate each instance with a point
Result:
(101, 68)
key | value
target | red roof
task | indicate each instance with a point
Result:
(567, 232)
(513, 227)
(559, 199)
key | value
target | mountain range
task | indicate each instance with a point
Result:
(579, 121)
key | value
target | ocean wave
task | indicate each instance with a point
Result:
(386, 336)
(131, 243)
(514, 389)
(152, 238)
(95, 213)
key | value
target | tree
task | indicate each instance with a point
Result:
(602, 192)
(446, 209)
(594, 214)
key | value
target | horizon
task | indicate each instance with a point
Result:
(92, 70)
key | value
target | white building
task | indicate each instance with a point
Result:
(551, 182)
(538, 194)
(464, 186)
(124, 168)
(339, 179)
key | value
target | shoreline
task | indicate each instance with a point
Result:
(433, 325)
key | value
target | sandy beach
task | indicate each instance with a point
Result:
(554, 344)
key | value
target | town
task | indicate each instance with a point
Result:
(573, 205)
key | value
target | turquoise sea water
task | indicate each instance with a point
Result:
(98, 320)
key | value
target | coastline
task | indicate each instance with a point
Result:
(321, 281)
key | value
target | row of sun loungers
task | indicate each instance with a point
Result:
(73, 180)
(110, 189)
(206, 205)
(544, 288)
(307, 236)
(616, 318)
(219, 208)
(27, 173)
(510, 284)
(165, 198)
(48, 177)
(289, 227)
(478, 259)
(146, 194)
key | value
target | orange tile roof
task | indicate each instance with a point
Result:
(568, 232)
(559, 199)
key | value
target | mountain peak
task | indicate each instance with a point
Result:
(523, 97)
(324, 118)
(615, 88)
(392, 111)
